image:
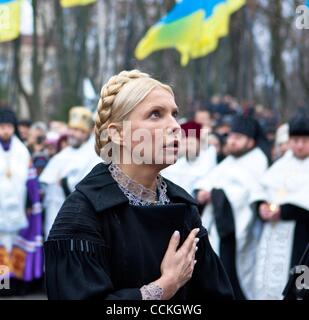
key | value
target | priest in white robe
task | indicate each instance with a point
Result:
(194, 161)
(226, 193)
(282, 204)
(20, 211)
(66, 169)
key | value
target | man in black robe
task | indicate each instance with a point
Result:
(283, 208)
(226, 191)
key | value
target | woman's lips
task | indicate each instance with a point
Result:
(174, 144)
(173, 147)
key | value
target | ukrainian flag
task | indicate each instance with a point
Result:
(215, 25)
(9, 20)
(73, 3)
(193, 27)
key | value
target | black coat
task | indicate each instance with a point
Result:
(101, 247)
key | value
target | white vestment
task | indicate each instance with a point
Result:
(14, 167)
(286, 182)
(71, 163)
(237, 177)
(185, 173)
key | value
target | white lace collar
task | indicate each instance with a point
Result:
(137, 193)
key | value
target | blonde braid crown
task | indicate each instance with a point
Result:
(107, 97)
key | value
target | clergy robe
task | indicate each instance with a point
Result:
(229, 217)
(282, 243)
(20, 217)
(14, 166)
(185, 173)
(61, 175)
(101, 247)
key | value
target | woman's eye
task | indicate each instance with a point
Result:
(155, 114)
(175, 114)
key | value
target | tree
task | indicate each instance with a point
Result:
(39, 44)
(70, 39)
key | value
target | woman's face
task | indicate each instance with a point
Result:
(153, 134)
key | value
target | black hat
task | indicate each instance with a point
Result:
(251, 128)
(8, 116)
(299, 125)
(247, 126)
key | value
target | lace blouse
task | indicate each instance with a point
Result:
(137, 194)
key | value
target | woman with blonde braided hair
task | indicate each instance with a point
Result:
(126, 232)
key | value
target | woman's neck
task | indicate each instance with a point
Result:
(144, 175)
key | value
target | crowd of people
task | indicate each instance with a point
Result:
(248, 173)
(40, 165)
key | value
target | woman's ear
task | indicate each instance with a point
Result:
(115, 132)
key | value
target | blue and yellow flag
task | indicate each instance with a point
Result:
(9, 20)
(74, 3)
(193, 27)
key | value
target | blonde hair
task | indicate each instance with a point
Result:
(119, 96)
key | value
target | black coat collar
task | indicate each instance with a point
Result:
(96, 184)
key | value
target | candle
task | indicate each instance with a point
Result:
(273, 207)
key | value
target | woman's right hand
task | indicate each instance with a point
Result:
(178, 264)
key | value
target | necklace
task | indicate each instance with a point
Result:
(136, 193)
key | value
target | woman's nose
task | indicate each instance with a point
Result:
(173, 127)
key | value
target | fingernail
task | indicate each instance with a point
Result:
(195, 261)
(197, 240)
(196, 248)
(197, 230)
(176, 234)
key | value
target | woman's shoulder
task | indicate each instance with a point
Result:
(79, 216)
(81, 209)
(100, 189)
(76, 216)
